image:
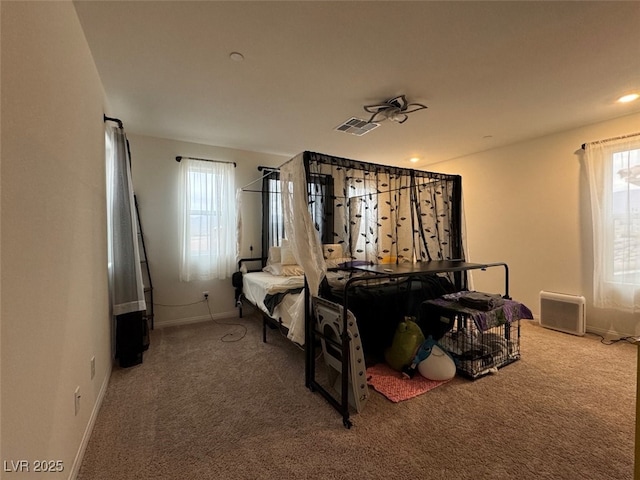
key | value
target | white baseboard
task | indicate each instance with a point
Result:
(606, 333)
(77, 462)
(202, 318)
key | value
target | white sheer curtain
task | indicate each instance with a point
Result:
(125, 274)
(613, 169)
(303, 237)
(208, 220)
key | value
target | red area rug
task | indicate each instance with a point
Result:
(394, 386)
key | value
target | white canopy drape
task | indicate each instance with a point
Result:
(302, 235)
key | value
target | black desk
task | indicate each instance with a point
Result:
(429, 267)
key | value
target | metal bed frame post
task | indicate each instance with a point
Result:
(346, 361)
(309, 341)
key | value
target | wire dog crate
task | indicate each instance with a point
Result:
(478, 353)
(478, 346)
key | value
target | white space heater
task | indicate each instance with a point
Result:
(563, 312)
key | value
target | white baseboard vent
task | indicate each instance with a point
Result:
(563, 312)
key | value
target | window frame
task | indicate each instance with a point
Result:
(210, 254)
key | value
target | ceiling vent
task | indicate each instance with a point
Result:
(356, 126)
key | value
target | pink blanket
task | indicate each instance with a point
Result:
(394, 386)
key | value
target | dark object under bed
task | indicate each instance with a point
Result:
(379, 309)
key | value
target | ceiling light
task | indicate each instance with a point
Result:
(628, 98)
(414, 159)
(396, 109)
(236, 56)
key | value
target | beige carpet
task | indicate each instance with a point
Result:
(200, 408)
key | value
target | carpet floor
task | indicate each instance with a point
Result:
(201, 407)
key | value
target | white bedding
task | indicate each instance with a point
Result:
(255, 285)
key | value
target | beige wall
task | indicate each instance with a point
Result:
(54, 279)
(155, 181)
(527, 204)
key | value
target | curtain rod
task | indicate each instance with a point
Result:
(110, 119)
(269, 171)
(203, 160)
(612, 139)
(244, 189)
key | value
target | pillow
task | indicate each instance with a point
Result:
(286, 254)
(438, 366)
(281, 270)
(406, 341)
(274, 255)
(332, 250)
(291, 270)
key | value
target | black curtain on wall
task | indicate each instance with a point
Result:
(272, 223)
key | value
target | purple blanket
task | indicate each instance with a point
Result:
(508, 312)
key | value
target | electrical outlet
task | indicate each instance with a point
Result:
(205, 294)
(93, 367)
(76, 400)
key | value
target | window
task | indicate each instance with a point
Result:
(625, 217)
(614, 182)
(208, 246)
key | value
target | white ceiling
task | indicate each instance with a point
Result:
(491, 73)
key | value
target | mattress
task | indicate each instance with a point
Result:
(256, 285)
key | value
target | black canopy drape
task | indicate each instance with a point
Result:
(386, 214)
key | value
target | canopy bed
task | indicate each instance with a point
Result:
(369, 245)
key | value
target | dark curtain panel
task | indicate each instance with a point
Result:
(272, 220)
(320, 190)
(321, 205)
